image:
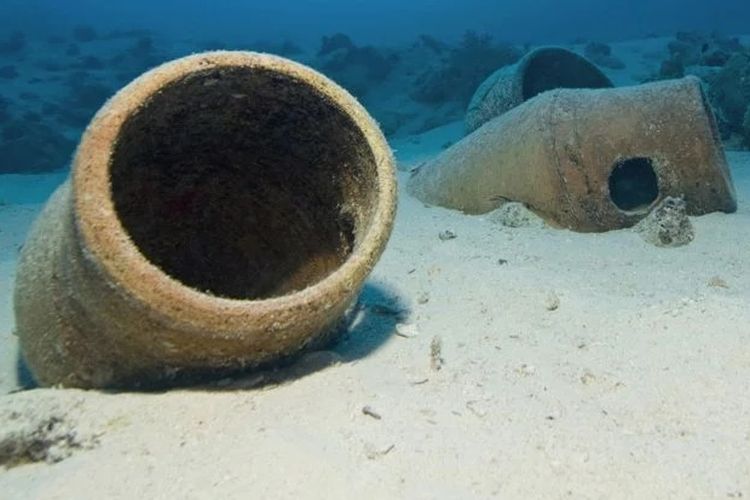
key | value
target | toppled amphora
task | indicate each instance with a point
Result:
(588, 159)
(542, 69)
(223, 211)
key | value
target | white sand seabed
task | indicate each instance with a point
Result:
(636, 386)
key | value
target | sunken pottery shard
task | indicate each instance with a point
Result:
(588, 159)
(542, 69)
(223, 211)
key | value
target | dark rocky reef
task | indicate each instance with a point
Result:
(85, 96)
(333, 43)
(669, 69)
(38, 129)
(729, 93)
(142, 48)
(285, 48)
(433, 44)
(123, 34)
(745, 132)
(601, 55)
(137, 58)
(55, 40)
(88, 63)
(13, 44)
(72, 50)
(462, 68)
(28, 146)
(689, 50)
(8, 72)
(693, 48)
(28, 96)
(356, 68)
(4, 112)
(84, 33)
(723, 64)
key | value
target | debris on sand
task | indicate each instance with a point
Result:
(436, 353)
(667, 225)
(32, 433)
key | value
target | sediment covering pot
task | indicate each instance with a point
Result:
(223, 211)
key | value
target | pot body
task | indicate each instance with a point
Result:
(542, 69)
(222, 212)
(588, 159)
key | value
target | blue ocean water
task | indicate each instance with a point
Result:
(59, 61)
(386, 21)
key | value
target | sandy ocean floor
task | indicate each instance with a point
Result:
(573, 366)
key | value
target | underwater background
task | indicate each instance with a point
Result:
(413, 64)
(489, 355)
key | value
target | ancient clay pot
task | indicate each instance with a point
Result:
(223, 211)
(588, 160)
(542, 69)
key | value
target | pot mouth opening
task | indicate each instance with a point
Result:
(243, 183)
(555, 68)
(633, 184)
